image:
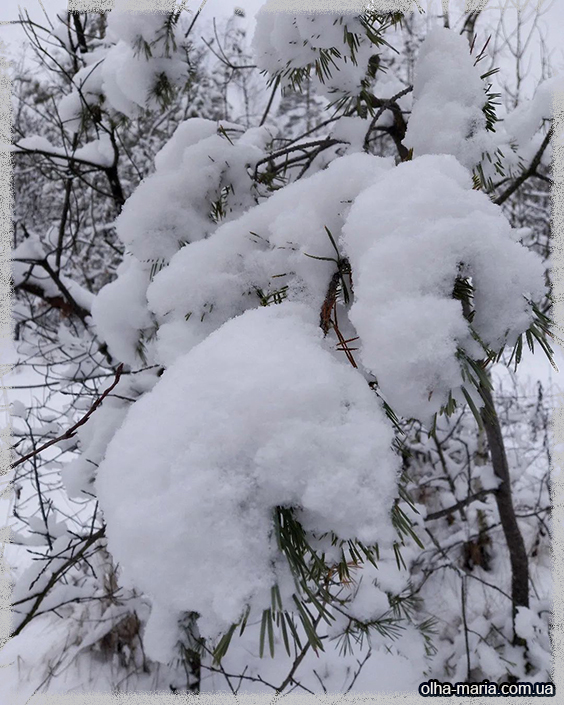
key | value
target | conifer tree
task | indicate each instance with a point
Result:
(286, 386)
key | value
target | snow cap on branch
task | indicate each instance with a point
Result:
(259, 415)
(409, 237)
(448, 100)
(285, 43)
(272, 248)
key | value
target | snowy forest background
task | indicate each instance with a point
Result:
(277, 424)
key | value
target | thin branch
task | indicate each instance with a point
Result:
(503, 495)
(271, 100)
(194, 19)
(55, 577)
(530, 171)
(54, 155)
(71, 431)
(324, 143)
(458, 505)
(388, 104)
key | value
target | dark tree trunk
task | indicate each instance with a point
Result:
(514, 538)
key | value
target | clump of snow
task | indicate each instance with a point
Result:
(522, 127)
(197, 167)
(136, 55)
(36, 142)
(98, 151)
(127, 78)
(408, 237)
(257, 416)
(272, 246)
(351, 130)
(170, 209)
(70, 109)
(485, 478)
(130, 26)
(29, 249)
(283, 42)
(120, 310)
(18, 409)
(162, 634)
(80, 295)
(448, 97)
(527, 623)
(27, 268)
(449, 94)
(78, 475)
(369, 603)
(141, 54)
(187, 134)
(523, 123)
(530, 626)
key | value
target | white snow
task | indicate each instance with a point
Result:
(405, 262)
(284, 41)
(18, 409)
(217, 278)
(257, 416)
(523, 122)
(98, 151)
(125, 70)
(448, 97)
(36, 142)
(256, 409)
(120, 310)
(172, 206)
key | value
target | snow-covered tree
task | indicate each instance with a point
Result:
(293, 440)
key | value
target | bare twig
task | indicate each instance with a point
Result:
(71, 431)
(530, 171)
(270, 101)
(55, 577)
(388, 104)
(458, 505)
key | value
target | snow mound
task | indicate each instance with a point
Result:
(448, 94)
(197, 168)
(283, 42)
(408, 237)
(272, 247)
(257, 416)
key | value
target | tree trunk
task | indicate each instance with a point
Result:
(514, 538)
